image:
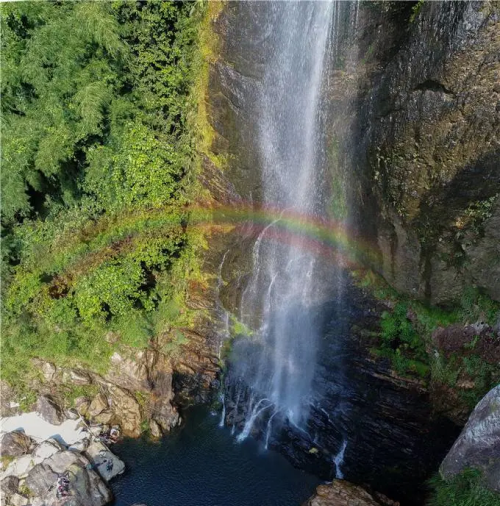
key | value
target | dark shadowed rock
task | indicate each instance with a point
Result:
(15, 444)
(49, 410)
(9, 486)
(478, 445)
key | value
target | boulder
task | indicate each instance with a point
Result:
(105, 462)
(80, 446)
(126, 410)
(9, 486)
(82, 405)
(48, 370)
(478, 445)
(162, 410)
(49, 410)
(18, 500)
(15, 444)
(19, 467)
(86, 487)
(47, 448)
(98, 405)
(105, 417)
(155, 429)
(343, 493)
(79, 377)
(9, 404)
(130, 372)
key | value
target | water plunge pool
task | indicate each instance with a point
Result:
(203, 464)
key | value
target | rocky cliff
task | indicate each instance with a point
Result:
(411, 116)
(427, 138)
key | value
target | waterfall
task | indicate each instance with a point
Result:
(277, 363)
(339, 460)
(223, 413)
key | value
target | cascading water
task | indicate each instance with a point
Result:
(277, 362)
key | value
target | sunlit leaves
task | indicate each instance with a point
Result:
(95, 156)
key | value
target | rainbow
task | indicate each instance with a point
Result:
(109, 236)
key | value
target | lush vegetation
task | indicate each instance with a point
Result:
(466, 489)
(98, 171)
(405, 338)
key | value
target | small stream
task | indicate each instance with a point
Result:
(202, 464)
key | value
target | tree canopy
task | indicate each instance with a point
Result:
(96, 173)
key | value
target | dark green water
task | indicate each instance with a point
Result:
(201, 464)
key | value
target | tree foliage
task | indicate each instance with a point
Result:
(96, 174)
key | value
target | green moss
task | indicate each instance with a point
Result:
(207, 55)
(173, 347)
(406, 330)
(465, 489)
(26, 491)
(72, 392)
(415, 11)
(6, 460)
(238, 328)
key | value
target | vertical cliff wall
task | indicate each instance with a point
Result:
(427, 134)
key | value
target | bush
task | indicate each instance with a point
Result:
(465, 489)
(98, 167)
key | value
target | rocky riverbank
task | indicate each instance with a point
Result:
(55, 471)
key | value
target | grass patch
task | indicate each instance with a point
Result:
(407, 327)
(465, 489)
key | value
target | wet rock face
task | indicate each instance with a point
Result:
(393, 441)
(430, 156)
(343, 493)
(478, 445)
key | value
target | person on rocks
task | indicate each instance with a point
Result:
(62, 486)
(114, 434)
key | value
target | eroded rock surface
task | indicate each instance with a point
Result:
(49, 410)
(478, 445)
(85, 486)
(343, 493)
(15, 444)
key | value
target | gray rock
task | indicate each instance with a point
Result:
(15, 444)
(86, 487)
(106, 463)
(478, 445)
(20, 467)
(49, 410)
(18, 500)
(9, 486)
(98, 405)
(154, 429)
(47, 448)
(80, 446)
(48, 370)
